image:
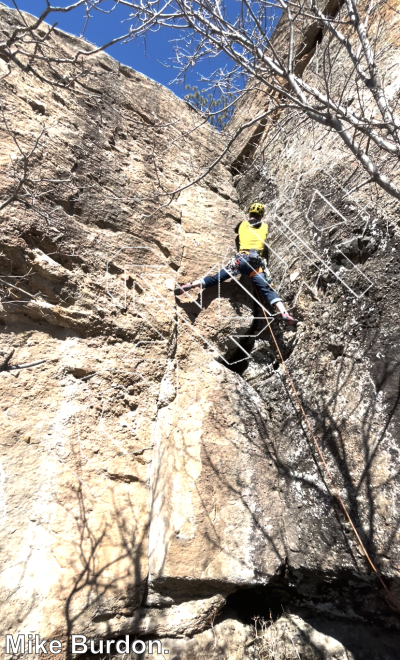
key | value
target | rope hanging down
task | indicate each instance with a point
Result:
(332, 480)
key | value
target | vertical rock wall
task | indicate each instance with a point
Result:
(151, 469)
(334, 257)
(85, 254)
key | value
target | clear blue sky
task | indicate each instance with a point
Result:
(103, 28)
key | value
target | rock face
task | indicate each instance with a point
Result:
(156, 471)
(79, 429)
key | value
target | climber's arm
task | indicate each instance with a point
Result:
(237, 235)
(265, 253)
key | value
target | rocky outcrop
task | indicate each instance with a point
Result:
(158, 480)
(79, 429)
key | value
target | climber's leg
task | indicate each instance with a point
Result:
(272, 298)
(211, 280)
(186, 287)
(206, 282)
(267, 291)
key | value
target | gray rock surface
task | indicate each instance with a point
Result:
(153, 471)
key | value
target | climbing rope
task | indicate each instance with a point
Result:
(331, 478)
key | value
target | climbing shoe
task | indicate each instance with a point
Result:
(181, 289)
(289, 320)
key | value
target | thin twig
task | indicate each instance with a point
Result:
(4, 364)
(26, 366)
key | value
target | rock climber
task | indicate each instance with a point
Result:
(250, 242)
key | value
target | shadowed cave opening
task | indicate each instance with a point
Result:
(309, 593)
(239, 361)
(352, 609)
(259, 345)
(348, 608)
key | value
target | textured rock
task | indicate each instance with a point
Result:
(226, 639)
(116, 618)
(335, 257)
(76, 497)
(291, 637)
(212, 469)
(166, 470)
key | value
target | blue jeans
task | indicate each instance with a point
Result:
(244, 268)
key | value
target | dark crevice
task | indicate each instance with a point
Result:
(246, 346)
(124, 478)
(69, 206)
(105, 67)
(219, 192)
(249, 149)
(162, 249)
(59, 99)
(261, 355)
(307, 593)
(103, 617)
(350, 609)
(108, 223)
(37, 107)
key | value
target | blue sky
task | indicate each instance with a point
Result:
(148, 58)
(104, 28)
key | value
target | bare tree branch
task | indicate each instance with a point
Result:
(285, 74)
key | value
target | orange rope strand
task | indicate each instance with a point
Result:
(335, 489)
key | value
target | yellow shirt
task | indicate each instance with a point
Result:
(252, 238)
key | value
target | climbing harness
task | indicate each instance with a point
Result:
(254, 258)
(328, 472)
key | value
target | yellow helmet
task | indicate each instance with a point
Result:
(256, 208)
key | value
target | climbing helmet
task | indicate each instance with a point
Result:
(256, 208)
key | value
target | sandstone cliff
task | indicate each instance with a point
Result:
(157, 478)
